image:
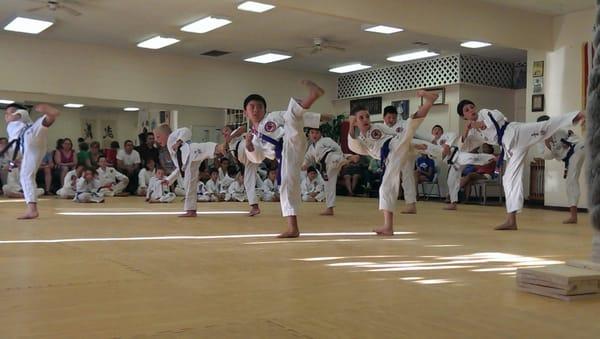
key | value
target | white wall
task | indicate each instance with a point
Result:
(563, 91)
(36, 65)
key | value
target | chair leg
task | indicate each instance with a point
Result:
(484, 194)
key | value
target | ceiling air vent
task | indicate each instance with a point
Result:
(215, 53)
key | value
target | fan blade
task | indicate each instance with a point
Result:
(35, 9)
(70, 10)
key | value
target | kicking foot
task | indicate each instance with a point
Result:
(254, 211)
(570, 221)
(289, 234)
(50, 112)
(328, 211)
(384, 231)
(29, 215)
(188, 214)
(450, 207)
(506, 227)
(314, 93)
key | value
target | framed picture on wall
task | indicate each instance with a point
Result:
(538, 85)
(441, 92)
(373, 104)
(538, 68)
(537, 103)
(403, 108)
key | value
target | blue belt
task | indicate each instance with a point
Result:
(383, 154)
(500, 134)
(278, 152)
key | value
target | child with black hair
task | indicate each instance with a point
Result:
(213, 186)
(270, 188)
(328, 154)
(313, 188)
(88, 188)
(279, 135)
(69, 188)
(236, 190)
(158, 189)
(564, 146)
(383, 143)
(250, 169)
(514, 139)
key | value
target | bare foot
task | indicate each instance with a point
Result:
(255, 210)
(314, 93)
(384, 231)
(507, 226)
(570, 221)
(50, 112)
(328, 211)
(429, 96)
(410, 209)
(450, 207)
(188, 214)
(289, 234)
(29, 215)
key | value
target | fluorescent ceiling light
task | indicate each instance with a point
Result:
(475, 44)
(349, 68)
(131, 109)
(157, 42)
(73, 105)
(27, 25)
(205, 25)
(253, 6)
(6, 102)
(268, 57)
(382, 29)
(412, 56)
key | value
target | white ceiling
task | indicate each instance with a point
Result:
(124, 23)
(551, 7)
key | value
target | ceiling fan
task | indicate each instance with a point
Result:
(55, 5)
(319, 45)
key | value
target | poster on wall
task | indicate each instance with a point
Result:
(538, 69)
(372, 104)
(88, 129)
(108, 132)
(403, 107)
(538, 85)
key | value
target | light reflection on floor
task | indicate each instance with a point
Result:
(484, 262)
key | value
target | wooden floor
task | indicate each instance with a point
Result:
(160, 276)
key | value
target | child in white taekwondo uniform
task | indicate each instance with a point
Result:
(270, 188)
(144, 177)
(13, 188)
(280, 135)
(313, 187)
(158, 189)
(69, 188)
(236, 149)
(88, 188)
(187, 157)
(383, 143)
(202, 192)
(112, 182)
(566, 147)
(28, 140)
(514, 139)
(440, 145)
(328, 154)
(213, 186)
(237, 191)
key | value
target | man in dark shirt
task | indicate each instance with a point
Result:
(148, 150)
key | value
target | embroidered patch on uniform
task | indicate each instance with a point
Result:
(399, 129)
(376, 134)
(270, 126)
